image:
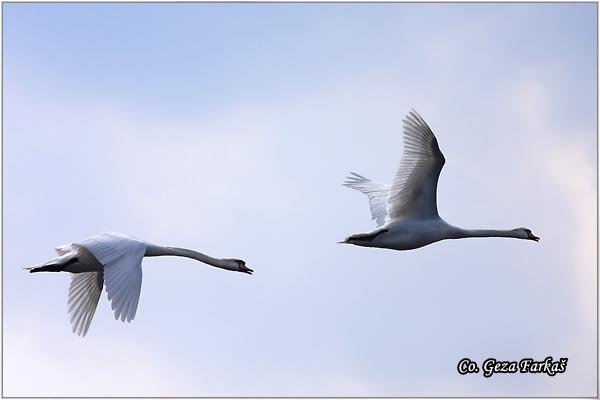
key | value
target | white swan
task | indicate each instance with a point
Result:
(406, 212)
(116, 260)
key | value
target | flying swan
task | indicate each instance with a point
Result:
(406, 212)
(116, 260)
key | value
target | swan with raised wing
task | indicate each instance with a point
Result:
(116, 260)
(406, 212)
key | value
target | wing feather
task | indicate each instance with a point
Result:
(376, 192)
(64, 249)
(121, 257)
(413, 194)
(84, 293)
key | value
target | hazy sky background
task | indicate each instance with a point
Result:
(229, 128)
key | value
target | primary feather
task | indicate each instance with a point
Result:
(413, 192)
(84, 293)
(377, 193)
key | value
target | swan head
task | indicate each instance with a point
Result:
(525, 233)
(240, 265)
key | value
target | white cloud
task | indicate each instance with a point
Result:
(42, 363)
(562, 160)
(564, 167)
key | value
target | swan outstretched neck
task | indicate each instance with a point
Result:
(406, 212)
(153, 250)
(517, 233)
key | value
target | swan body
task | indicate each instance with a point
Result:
(114, 259)
(412, 234)
(406, 212)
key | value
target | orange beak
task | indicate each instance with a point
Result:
(246, 270)
(533, 237)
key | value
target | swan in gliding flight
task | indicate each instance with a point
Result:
(406, 212)
(116, 260)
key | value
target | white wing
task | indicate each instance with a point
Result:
(121, 257)
(84, 293)
(414, 190)
(377, 193)
(64, 249)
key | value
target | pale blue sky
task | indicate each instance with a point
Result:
(229, 128)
